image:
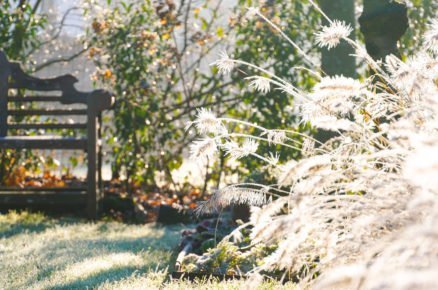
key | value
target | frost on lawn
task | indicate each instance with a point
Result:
(73, 254)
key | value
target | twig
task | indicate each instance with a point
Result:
(62, 59)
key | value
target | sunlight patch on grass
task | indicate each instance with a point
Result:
(59, 255)
(92, 266)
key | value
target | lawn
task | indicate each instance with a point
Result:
(38, 252)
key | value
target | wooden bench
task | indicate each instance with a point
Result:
(15, 135)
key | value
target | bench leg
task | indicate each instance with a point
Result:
(92, 182)
(100, 155)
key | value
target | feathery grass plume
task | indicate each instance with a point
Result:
(318, 115)
(235, 151)
(274, 158)
(234, 194)
(275, 136)
(224, 63)
(292, 172)
(206, 122)
(332, 97)
(415, 77)
(331, 101)
(371, 187)
(252, 12)
(260, 84)
(241, 195)
(338, 86)
(330, 36)
(406, 260)
(431, 37)
(203, 149)
(395, 66)
(421, 167)
(308, 147)
(260, 216)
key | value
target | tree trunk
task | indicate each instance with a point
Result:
(383, 22)
(338, 60)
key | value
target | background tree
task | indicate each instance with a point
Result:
(26, 30)
(383, 23)
(339, 60)
(420, 13)
(156, 58)
(19, 27)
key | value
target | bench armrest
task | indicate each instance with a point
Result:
(100, 100)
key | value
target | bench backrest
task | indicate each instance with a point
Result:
(60, 90)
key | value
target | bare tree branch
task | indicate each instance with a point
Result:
(57, 33)
(36, 6)
(61, 59)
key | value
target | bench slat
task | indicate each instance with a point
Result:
(46, 126)
(42, 142)
(42, 198)
(35, 99)
(47, 112)
(42, 189)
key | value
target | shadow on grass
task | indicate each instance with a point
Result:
(9, 229)
(92, 281)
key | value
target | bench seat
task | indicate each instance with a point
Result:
(43, 142)
(66, 197)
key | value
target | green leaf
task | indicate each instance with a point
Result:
(220, 32)
(204, 24)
